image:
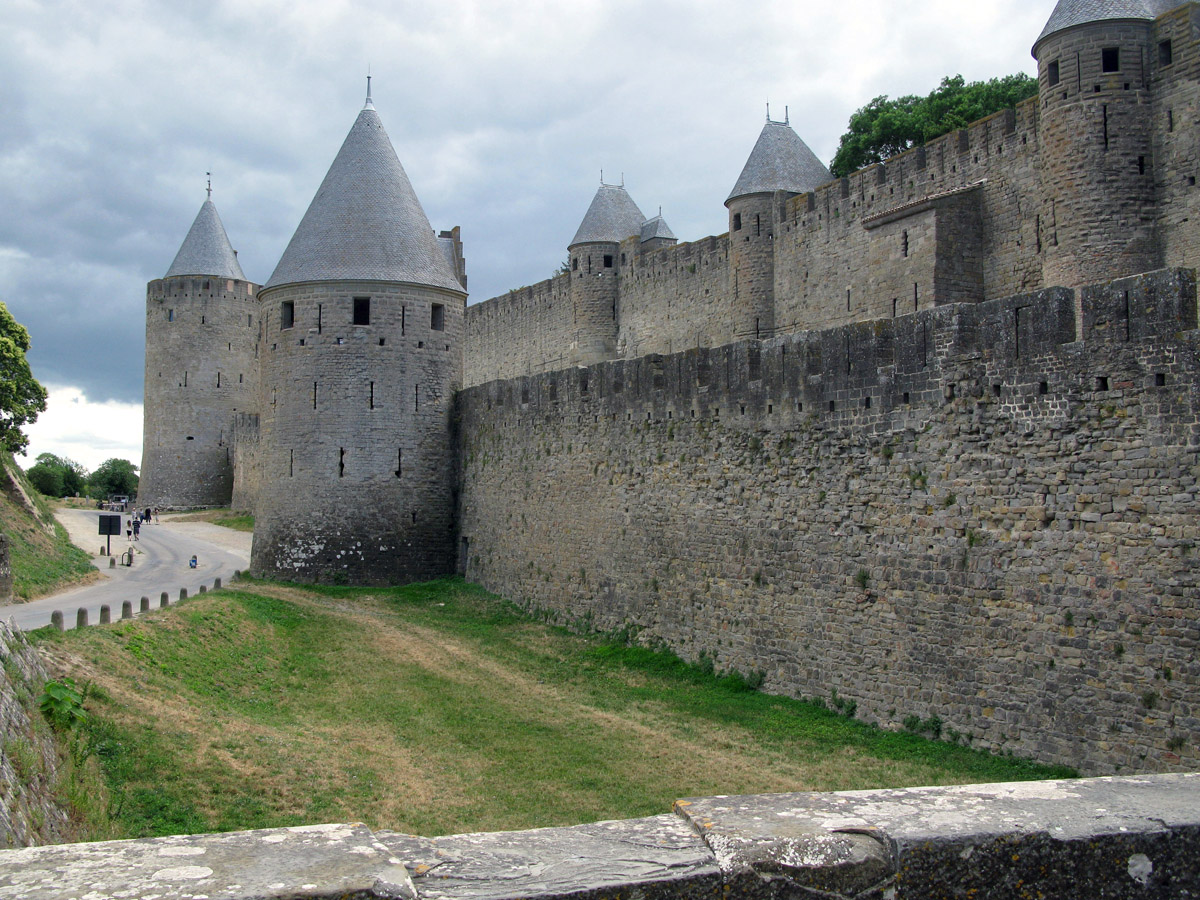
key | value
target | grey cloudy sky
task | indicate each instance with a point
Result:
(503, 113)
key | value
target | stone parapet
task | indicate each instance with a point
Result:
(1115, 838)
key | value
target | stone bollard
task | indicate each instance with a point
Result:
(145, 605)
(103, 551)
(237, 573)
(164, 598)
(105, 614)
(183, 593)
(112, 562)
(203, 589)
(81, 618)
(216, 584)
(56, 620)
(126, 609)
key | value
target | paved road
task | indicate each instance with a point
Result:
(160, 564)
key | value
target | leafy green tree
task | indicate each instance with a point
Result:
(113, 476)
(57, 476)
(884, 127)
(21, 397)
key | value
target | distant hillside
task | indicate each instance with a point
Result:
(43, 557)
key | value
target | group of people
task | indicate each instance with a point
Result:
(133, 526)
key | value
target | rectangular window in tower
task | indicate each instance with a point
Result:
(1165, 54)
(319, 310)
(249, 321)
(608, 261)
(371, 397)
(1052, 76)
(916, 297)
(362, 311)
(170, 315)
(1110, 59)
(239, 378)
(218, 379)
(575, 264)
(403, 319)
(287, 314)
(291, 463)
(757, 225)
(314, 395)
(399, 463)
(904, 244)
(416, 397)
(895, 306)
(437, 317)
(737, 221)
(341, 462)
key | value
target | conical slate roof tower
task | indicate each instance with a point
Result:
(206, 249)
(362, 325)
(611, 217)
(200, 338)
(780, 161)
(1071, 13)
(365, 221)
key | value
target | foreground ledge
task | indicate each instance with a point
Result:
(1106, 837)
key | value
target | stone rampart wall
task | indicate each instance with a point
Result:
(965, 513)
(530, 329)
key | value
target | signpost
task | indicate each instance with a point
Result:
(110, 525)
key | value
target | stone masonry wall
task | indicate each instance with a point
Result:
(29, 814)
(963, 513)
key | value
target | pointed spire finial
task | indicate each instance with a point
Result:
(768, 110)
(622, 179)
(602, 176)
(209, 174)
(787, 119)
(368, 104)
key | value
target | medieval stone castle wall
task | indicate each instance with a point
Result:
(925, 436)
(967, 514)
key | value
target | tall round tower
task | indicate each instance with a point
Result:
(360, 355)
(1095, 137)
(780, 161)
(200, 335)
(594, 253)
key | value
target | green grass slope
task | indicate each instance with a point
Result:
(439, 708)
(43, 557)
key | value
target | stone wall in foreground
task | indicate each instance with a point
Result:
(983, 514)
(1119, 838)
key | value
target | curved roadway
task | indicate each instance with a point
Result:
(160, 563)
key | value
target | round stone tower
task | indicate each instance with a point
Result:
(595, 256)
(781, 165)
(200, 335)
(360, 355)
(1095, 137)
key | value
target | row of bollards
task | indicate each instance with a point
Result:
(164, 599)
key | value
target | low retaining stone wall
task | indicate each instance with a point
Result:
(1110, 837)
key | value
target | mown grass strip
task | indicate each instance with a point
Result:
(439, 708)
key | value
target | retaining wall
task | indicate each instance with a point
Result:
(1114, 838)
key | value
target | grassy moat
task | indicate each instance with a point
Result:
(438, 708)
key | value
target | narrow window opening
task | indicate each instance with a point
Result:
(575, 264)
(314, 395)
(362, 311)
(371, 397)
(287, 314)
(950, 392)
(170, 315)
(608, 261)
(995, 390)
(1102, 382)
(239, 378)
(832, 405)
(1052, 76)
(1165, 54)
(416, 397)
(205, 286)
(414, 517)
(218, 379)
(318, 318)
(185, 378)
(905, 398)
(622, 259)
(1141, 165)
(866, 402)
(1160, 379)
(1037, 233)
(437, 317)
(895, 306)
(403, 319)
(847, 299)
(737, 221)
(249, 321)
(399, 463)
(1043, 388)
(583, 382)
(1110, 59)
(341, 462)
(381, 341)
(291, 463)
(202, 320)
(916, 297)
(904, 243)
